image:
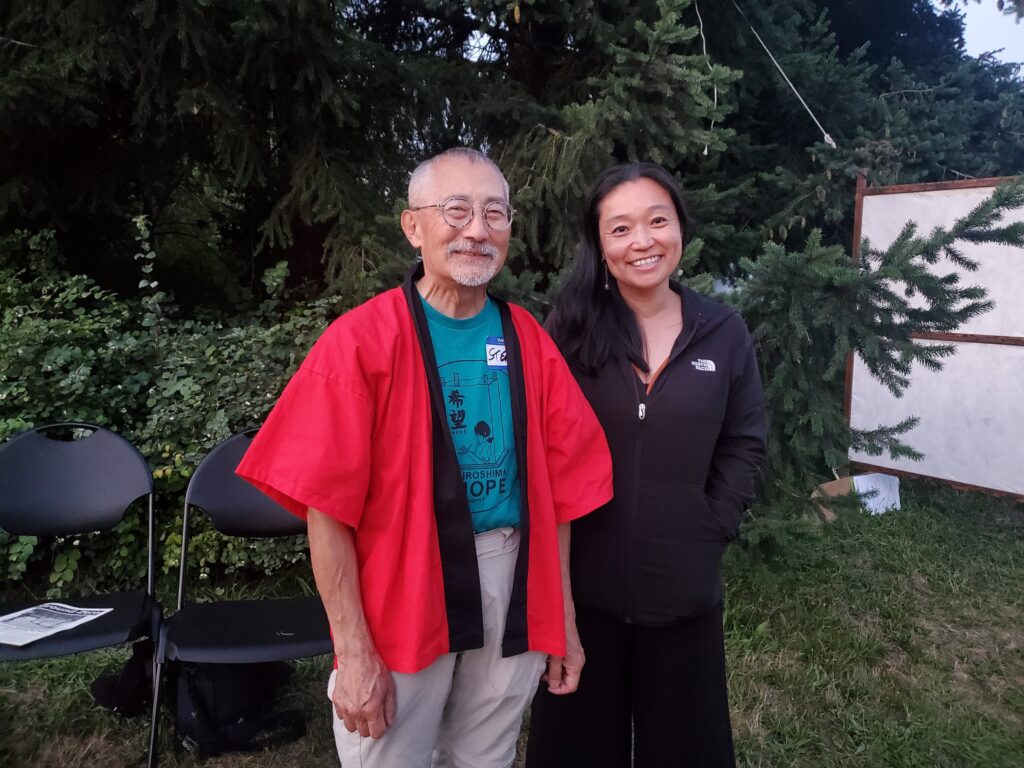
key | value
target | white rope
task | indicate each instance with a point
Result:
(707, 60)
(828, 139)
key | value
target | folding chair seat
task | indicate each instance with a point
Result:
(51, 485)
(237, 631)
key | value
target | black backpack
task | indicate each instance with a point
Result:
(229, 707)
(129, 690)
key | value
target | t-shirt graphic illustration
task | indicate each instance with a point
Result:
(471, 363)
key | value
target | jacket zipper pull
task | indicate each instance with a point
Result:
(642, 411)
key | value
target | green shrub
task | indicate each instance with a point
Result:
(173, 386)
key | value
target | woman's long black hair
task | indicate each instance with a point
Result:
(588, 323)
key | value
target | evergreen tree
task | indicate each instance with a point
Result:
(225, 123)
(940, 116)
(251, 133)
(632, 87)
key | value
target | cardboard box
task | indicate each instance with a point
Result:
(884, 493)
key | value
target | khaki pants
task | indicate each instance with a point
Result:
(465, 709)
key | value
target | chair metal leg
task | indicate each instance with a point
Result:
(154, 723)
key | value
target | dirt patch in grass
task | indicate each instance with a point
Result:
(895, 664)
(974, 641)
(748, 721)
(983, 652)
(26, 698)
(981, 697)
(97, 750)
(760, 692)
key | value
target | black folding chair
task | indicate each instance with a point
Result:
(57, 481)
(237, 631)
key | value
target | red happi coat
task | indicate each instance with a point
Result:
(359, 434)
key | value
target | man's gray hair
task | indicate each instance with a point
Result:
(420, 178)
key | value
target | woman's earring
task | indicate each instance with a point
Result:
(606, 275)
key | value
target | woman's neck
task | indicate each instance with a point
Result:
(650, 304)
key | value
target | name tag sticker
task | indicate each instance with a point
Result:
(495, 352)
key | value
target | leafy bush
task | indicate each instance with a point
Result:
(174, 387)
(68, 348)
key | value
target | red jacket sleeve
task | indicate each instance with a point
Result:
(578, 459)
(314, 448)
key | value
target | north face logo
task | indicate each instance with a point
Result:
(703, 365)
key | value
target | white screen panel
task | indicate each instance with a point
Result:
(1001, 268)
(972, 416)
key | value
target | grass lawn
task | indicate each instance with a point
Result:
(889, 641)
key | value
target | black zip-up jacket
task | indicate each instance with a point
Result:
(685, 459)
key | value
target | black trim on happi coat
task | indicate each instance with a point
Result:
(459, 570)
(516, 639)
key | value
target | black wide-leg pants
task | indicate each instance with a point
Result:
(658, 693)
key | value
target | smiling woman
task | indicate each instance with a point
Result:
(672, 378)
(641, 239)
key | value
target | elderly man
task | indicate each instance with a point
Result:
(439, 447)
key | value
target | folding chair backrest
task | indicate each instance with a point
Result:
(234, 506)
(60, 487)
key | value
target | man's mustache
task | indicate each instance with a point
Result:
(468, 246)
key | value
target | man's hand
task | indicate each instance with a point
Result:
(364, 694)
(563, 673)
(364, 691)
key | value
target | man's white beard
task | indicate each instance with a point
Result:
(476, 274)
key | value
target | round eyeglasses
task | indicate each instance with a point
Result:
(458, 212)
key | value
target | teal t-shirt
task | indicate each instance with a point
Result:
(470, 357)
